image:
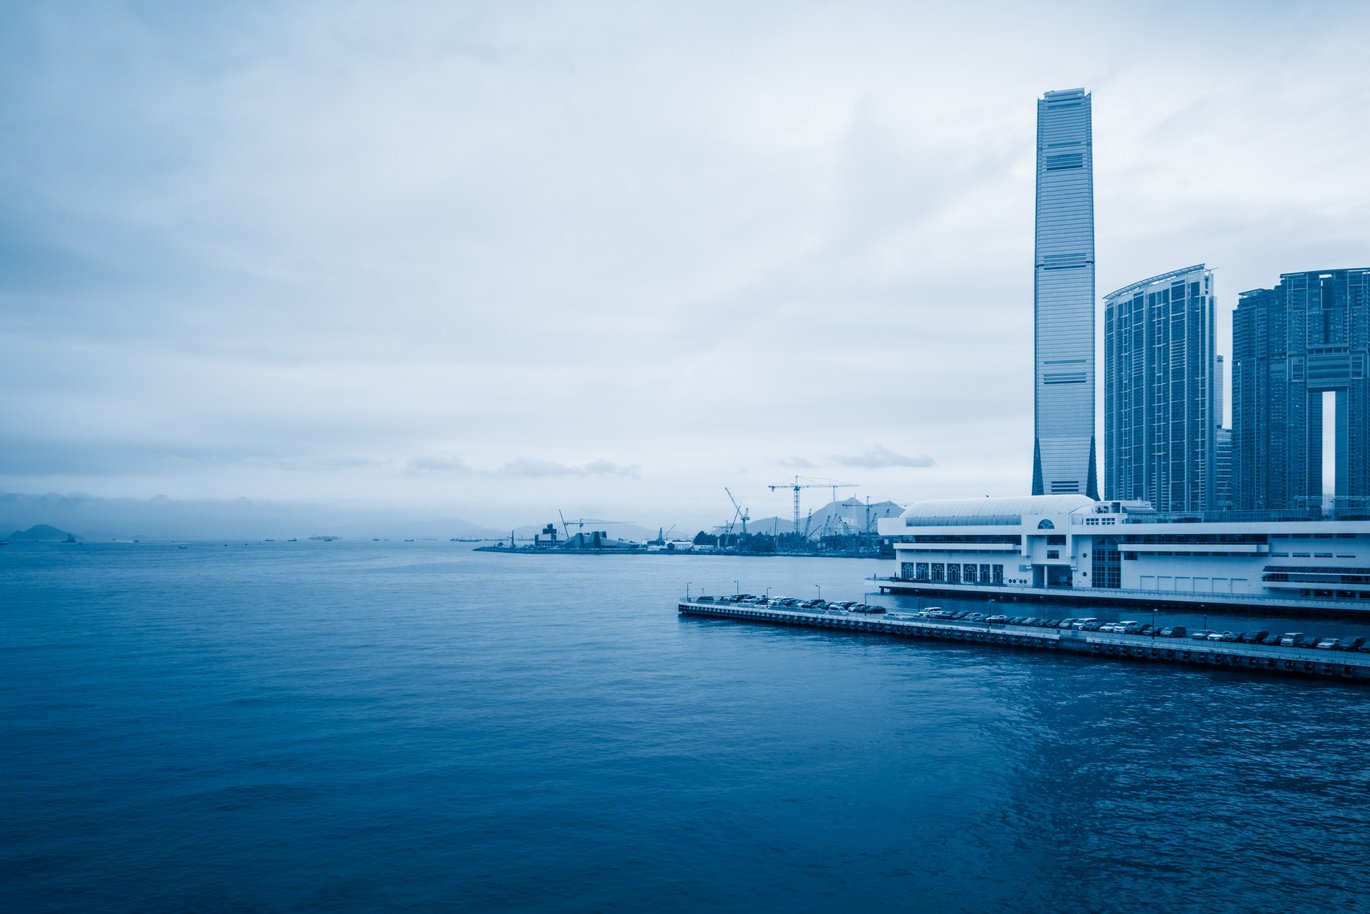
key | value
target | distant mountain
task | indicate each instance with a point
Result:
(42, 533)
(850, 515)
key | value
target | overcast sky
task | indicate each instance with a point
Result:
(512, 257)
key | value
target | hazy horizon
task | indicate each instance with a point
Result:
(484, 262)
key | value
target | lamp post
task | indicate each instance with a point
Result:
(820, 591)
(737, 588)
(687, 589)
(768, 593)
(1153, 622)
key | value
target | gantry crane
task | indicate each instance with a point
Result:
(811, 484)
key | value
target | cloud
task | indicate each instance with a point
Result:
(877, 456)
(438, 465)
(798, 463)
(536, 468)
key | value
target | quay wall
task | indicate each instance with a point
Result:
(1258, 658)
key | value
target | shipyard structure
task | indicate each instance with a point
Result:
(1071, 547)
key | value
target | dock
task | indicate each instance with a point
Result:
(1296, 661)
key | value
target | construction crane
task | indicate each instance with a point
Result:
(738, 511)
(810, 484)
(581, 521)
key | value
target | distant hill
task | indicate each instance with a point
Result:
(839, 517)
(42, 533)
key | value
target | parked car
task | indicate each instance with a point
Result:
(1326, 644)
(1291, 639)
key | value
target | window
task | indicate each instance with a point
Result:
(1053, 553)
(968, 574)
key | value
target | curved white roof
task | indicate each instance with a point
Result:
(999, 507)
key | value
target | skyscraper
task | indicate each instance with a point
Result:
(1160, 391)
(1299, 351)
(1063, 458)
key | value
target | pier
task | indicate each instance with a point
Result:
(1297, 661)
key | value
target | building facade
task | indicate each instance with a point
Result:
(1301, 367)
(1161, 386)
(1064, 459)
(1055, 546)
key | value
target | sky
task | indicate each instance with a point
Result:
(494, 260)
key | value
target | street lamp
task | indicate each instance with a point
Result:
(687, 589)
(1153, 622)
(768, 593)
(820, 591)
(737, 588)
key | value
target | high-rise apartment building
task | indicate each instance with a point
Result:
(1301, 360)
(1161, 390)
(1063, 458)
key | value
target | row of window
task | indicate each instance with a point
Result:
(952, 572)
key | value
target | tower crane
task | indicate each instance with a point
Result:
(810, 484)
(581, 521)
(738, 511)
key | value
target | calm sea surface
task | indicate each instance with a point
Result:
(415, 726)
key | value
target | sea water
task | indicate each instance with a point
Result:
(417, 726)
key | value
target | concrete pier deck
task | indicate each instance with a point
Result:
(1298, 661)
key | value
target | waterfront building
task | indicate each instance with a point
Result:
(1059, 547)
(1301, 362)
(1161, 384)
(1063, 456)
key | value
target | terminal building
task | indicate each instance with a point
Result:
(1064, 547)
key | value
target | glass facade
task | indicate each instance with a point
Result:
(1063, 458)
(1293, 345)
(1160, 392)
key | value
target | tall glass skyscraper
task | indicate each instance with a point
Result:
(1298, 349)
(1161, 392)
(1063, 458)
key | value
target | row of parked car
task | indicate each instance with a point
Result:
(1123, 627)
(795, 603)
(1133, 627)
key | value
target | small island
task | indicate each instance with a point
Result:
(43, 533)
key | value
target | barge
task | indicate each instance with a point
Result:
(1297, 661)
